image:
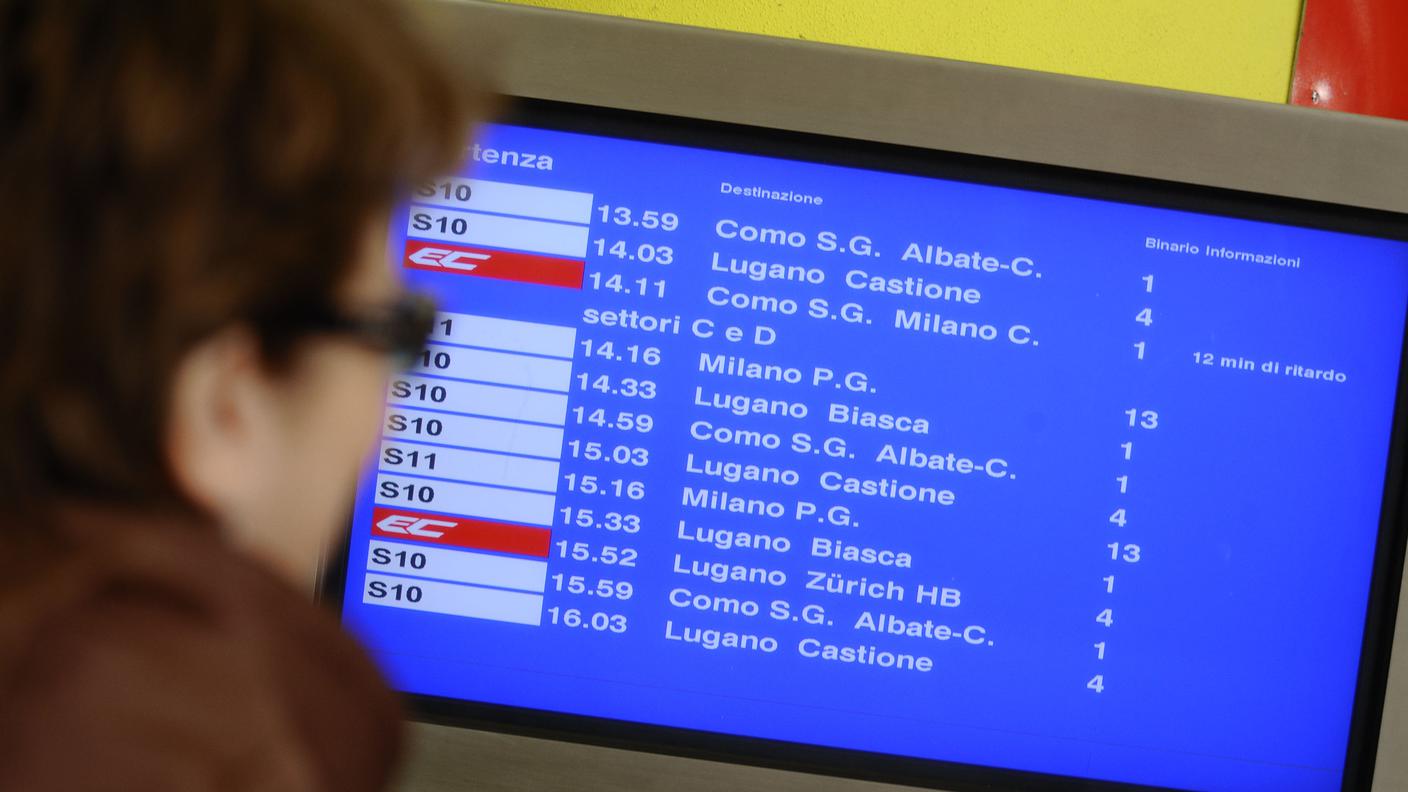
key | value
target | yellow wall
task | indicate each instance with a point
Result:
(1239, 48)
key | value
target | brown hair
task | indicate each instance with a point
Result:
(171, 167)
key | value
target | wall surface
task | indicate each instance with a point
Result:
(1243, 48)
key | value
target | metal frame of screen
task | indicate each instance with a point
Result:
(1388, 566)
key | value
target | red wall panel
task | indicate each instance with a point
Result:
(1353, 56)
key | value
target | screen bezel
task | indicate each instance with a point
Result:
(1382, 605)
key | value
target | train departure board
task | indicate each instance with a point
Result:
(865, 459)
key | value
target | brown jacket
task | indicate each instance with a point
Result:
(140, 654)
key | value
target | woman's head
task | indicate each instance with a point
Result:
(183, 183)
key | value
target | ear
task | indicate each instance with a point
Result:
(221, 424)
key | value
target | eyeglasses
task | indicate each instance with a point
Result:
(399, 328)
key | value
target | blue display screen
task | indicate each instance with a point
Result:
(874, 461)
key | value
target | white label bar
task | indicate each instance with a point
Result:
(463, 566)
(513, 233)
(482, 433)
(474, 466)
(501, 367)
(514, 199)
(508, 335)
(453, 599)
(470, 500)
(492, 401)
